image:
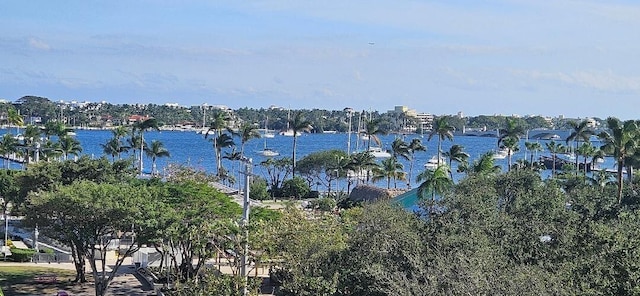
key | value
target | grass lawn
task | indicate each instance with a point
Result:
(29, 280)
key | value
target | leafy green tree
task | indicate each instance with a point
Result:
(295, 188)
(85, 215)
(277, 171)
(322, 166)
(258, 189)
(198, 220)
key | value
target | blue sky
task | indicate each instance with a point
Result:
(577, 58)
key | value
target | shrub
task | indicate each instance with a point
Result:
(296, 187)
(21, 255)
(258, 189)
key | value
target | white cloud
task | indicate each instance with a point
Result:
(595, 80)
(38, 44)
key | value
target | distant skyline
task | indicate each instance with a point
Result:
(525, 57)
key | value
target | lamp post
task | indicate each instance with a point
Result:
(350, 114)
(245, 223)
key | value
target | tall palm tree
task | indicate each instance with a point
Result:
(511, 144)
(246, 133)
(220, 142)
(143, 126)
(511, 130)
(587, 151)
(217, 125)
(69, 146)
(414, 146)
(456, 153)
(532, 147)
(400, 149)
(362, 162)
(372, 130)
(581, 131)
(112, 148)
(554, 148)
(436, 182)
(154, 151)
(484, 165)
(443, 130)
(297, 124)
(619, 142)
(31, 143)
(15, 119)
(8, 147)
(388, 169)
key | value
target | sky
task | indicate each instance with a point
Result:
(525, 57)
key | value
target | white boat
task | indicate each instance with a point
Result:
(501, 154)
(432, 163)
(268, 152)
(329, 132)
(267, 134)
(378, 152)
(287, 133)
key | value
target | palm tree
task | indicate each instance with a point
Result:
(484, 165)
(31, 143)
(371, 130)
(414, 146)
(532, 147)
(436, 182)
(456, 153)
(8, 147)
(388, 169)
(155, 150)
(620, 142)
(143, 126)
(14, 118)
(247, 132)
(554, 148)
(218, 124)
(400, 148)
(222, 141)
(362, 162)
(511, 130)
(443, 130)
(298, 124)
(511, 144)
(112, 148)
(69, 145)
(587, 151)
(581, 131)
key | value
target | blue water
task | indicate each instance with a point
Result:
(192, 149)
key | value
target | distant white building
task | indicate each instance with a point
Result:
(425, 121)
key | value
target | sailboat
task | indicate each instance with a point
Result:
(267, 134)
(288, 132)
(268, 152)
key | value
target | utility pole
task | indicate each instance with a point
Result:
(245, 224)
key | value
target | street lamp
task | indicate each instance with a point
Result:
(350, 114)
